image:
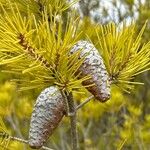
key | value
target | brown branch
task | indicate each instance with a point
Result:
(31, 51)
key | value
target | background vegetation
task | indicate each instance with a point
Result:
(121, 123)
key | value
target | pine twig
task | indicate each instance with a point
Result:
(84, 102)
(71, 112)
(73, 119)
(22, 140)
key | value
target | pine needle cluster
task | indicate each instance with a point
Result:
(35, 42)
(38, 50)
(125, 56)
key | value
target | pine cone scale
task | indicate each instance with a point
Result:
(93, 65)
(47, 114)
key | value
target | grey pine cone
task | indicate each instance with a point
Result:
(48, 112)
(93, 65)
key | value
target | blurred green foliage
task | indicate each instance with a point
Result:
(123, 123)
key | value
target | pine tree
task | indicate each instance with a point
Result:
(41, 45)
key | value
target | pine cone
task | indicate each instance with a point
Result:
(93, 65)
(48, 112)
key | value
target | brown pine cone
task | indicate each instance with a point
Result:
(47, 114)
(93, 65)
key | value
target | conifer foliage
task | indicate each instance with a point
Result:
(41, 44)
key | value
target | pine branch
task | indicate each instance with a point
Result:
(31, 51)
(123, 52)
(84, 102)
(73, 121)
(2, 134)
(73, 118)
